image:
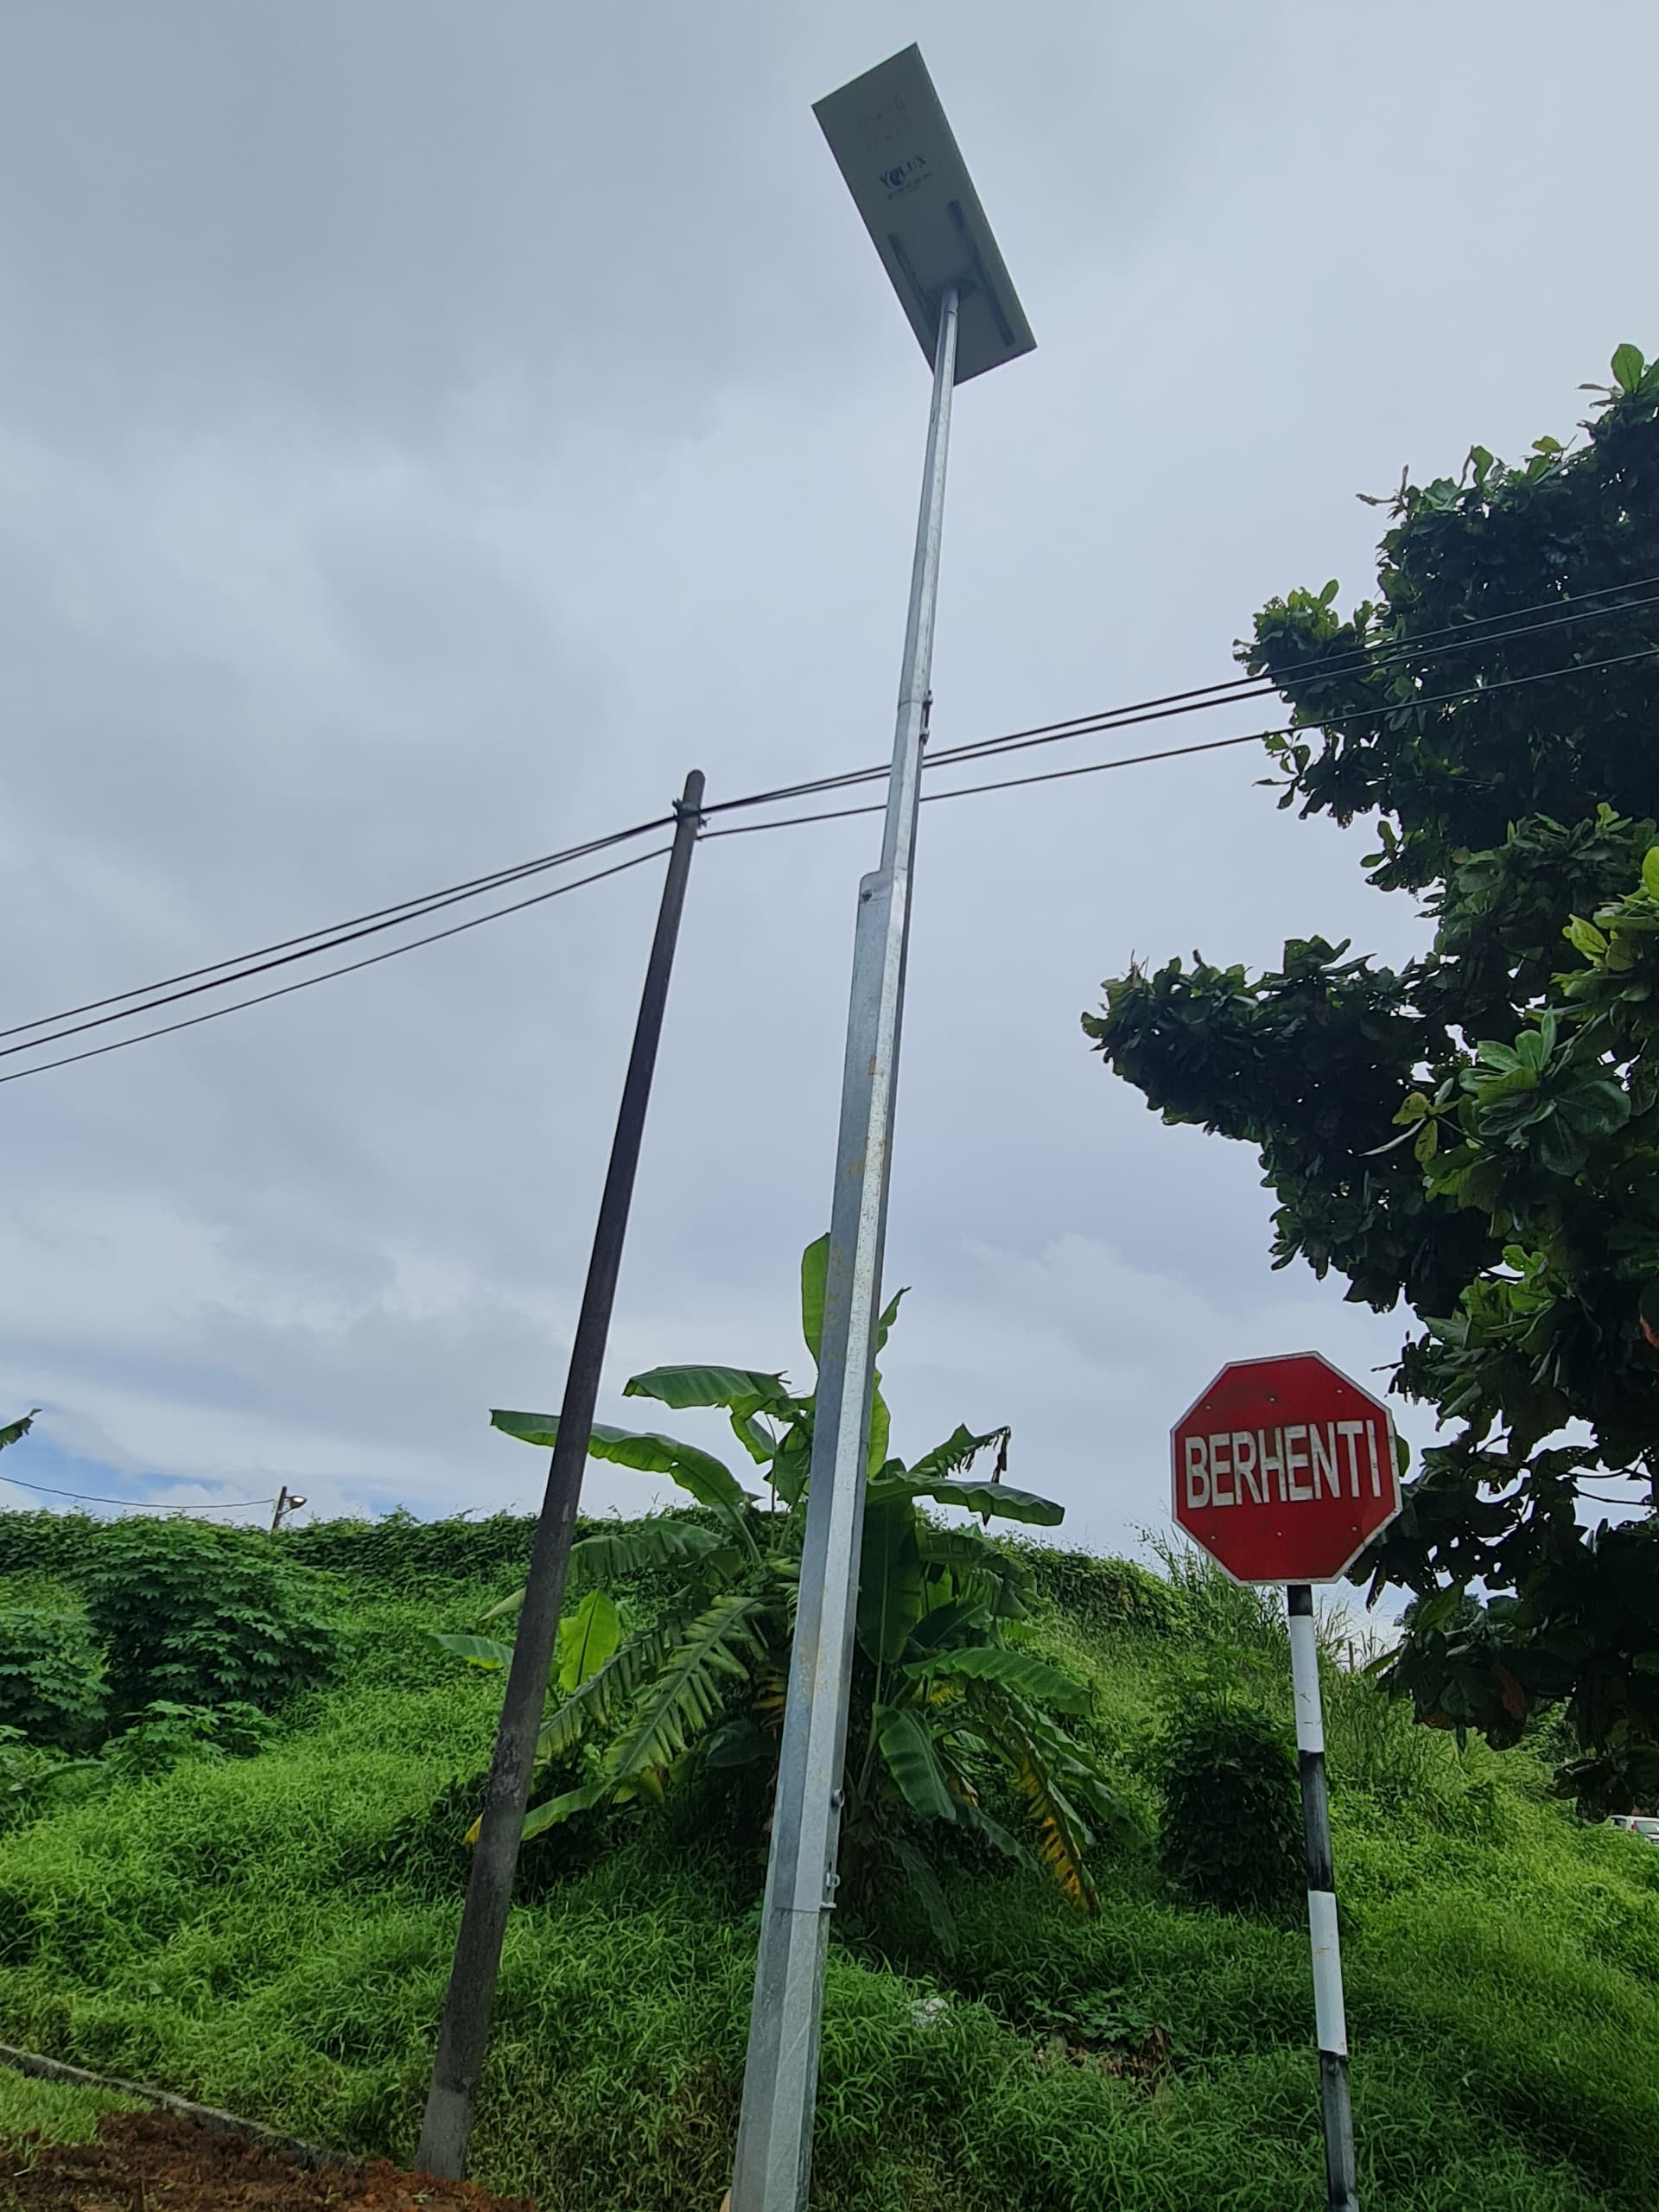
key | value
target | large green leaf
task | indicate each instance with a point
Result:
(793, 1462)
(635, 1549)
(908, 1752)
(945, 1624)
(1020, 1671)
(1628, 366)
(1073, 1768)
(604, 1693)
(588, 1636)
(960, 1451)
(881, 1429)
(1061, 1837)
(815, 1268)
(688, 1695)
(975, 1564)
(742, 1742)
(925, 1888)
(540, 1818)
(815, 1262)
(15, 1431)
(1000, 1500)
(891, 1591)
(970, 1815)
(707, 1479)
(476, 1650)
(760, 1444)
(889, 1315)
(744, 1389)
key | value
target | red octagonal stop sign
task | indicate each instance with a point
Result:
(1284, 1469)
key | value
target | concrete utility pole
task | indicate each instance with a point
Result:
(464, 2029)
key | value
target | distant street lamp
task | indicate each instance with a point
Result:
(895, 150)
(287, 1502)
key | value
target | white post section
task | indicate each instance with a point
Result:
(1330, 2023)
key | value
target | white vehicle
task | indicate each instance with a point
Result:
(1641, 1824)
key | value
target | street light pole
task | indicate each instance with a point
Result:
(902, 166)
(774, 2139)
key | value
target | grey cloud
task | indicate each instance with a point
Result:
(426, 433)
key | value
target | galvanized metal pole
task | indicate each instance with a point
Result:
(1332, 2027)
(463, 2031)
(774, 2137)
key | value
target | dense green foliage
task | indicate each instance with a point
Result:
(954, 1721)
(200, 1616)
(1494, 706)
(274, 1934)
(51, 1676)
(1232, 1805)
(94, 1615)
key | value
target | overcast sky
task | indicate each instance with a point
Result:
(426, 431)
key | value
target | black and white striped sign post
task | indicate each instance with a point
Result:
(1330, 2025)
(1284, 1471)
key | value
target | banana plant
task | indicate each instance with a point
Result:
(945, 1693)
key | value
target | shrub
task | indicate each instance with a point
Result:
(398, 1553)
(28, 1775)
(41, 1543)
(51, 1679)
(163, 1735)
(199, 1617)
(1231, 1832)
(1107, 1595)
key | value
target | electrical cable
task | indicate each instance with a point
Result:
(1237, 691)
(403, 910)
(283, 960)
(1054, 732)
(1171, 752)
(455, 929)
(319, 941)
(136, 1504)
(1263, 687)
(229, 972)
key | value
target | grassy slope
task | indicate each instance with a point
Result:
(52, 2110)
(238, 1934)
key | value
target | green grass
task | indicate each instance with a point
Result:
(54, 2111)
(238, 1934)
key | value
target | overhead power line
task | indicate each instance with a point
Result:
(477, 921)
(225, 974)
(1200, 699)
(1170, 753)
(312, 943)
(138, 1505)
(405, 910)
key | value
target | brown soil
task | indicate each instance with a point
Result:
(1147, 2061)
(161, 2161)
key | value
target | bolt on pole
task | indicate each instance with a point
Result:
(464, 2028)
(774, 2138)
(1332, 2027)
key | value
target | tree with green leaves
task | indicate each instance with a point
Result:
(951, 1707)
(1475, 1135)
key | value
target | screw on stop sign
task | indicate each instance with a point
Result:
(1284, 1469)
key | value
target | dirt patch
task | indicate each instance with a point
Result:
(1146, 2059)
(161, 2161)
